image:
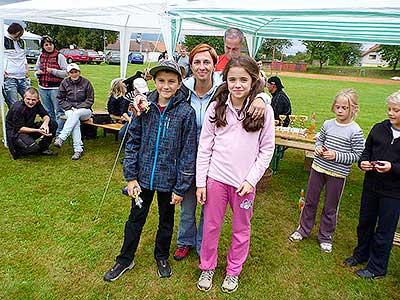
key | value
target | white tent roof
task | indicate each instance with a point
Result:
(334, 20)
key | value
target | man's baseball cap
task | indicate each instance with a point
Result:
(141, 85)
(276, 80)
(73, 66)
(166, 65)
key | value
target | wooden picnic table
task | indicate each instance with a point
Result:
(285, 140)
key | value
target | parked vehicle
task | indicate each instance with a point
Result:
(136, 58)
(75, 55)
(113, 57)
(94, 57)
(32, 55)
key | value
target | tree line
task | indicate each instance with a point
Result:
(65, 36)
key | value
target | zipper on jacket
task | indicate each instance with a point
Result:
(160, 124)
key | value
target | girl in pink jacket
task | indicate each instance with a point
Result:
(234, 152)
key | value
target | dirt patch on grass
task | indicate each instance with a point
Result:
(341, 78)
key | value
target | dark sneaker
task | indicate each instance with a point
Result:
(367, 274)
(181, 252)
(351, 261)
(164, 269)
(77, 155)
(58, 142)
(116, 271)
(49, 152)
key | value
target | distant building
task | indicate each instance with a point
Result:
(372, 58)
(151, 50)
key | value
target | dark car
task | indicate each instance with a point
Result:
(75, 55)
(112, 57)
(136, 58)
(95, 57)
(32, 55)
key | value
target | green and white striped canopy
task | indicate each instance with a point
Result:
(376, 25)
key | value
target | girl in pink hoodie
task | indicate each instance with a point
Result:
(234, 152)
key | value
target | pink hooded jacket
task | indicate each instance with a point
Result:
(232, 155)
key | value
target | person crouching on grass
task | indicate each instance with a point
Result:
(159, 156)
(24, 135)
(234, 152)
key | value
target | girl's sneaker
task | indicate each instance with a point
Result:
(230, 283)
(295, 237)
(326, 247)
(205, 280)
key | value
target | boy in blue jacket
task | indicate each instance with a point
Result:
(160, 156)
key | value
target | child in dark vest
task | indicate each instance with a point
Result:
(51, 68)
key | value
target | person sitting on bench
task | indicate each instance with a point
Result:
(76, 97)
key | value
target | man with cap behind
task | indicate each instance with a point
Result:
(280, 101)
(159, 156)
(76, 97)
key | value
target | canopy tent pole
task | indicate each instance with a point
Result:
(254, 43)
(171, 29)
(124, 45)
(2, 100)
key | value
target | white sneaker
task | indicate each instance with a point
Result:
(295, 237)
(326, 247)
(205, 280)
(230, 283)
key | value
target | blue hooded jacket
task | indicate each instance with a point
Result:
(161, 150)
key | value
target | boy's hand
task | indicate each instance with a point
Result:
(175, 199)
(244, 188)
(257, 108)
(383, 166)
(201, 195)
(134, 188)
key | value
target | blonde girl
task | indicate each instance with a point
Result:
(117, 104)
(339, 144)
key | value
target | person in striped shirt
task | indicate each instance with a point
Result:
(339, 144)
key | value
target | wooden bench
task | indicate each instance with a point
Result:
(112, 127)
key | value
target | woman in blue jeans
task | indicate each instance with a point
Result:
(51, 68)
(202, 86)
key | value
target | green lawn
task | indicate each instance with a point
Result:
(52, 249)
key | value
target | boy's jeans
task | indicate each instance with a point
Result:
(13, 87)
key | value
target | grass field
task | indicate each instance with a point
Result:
(52, 249)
